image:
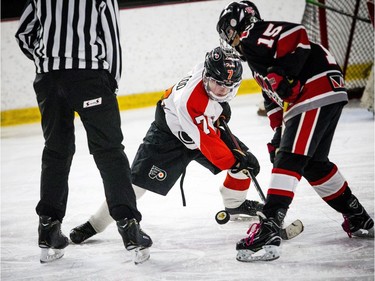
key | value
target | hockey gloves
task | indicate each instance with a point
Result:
(225, 114)
(274, 144)
(245, 161)
(286, 87)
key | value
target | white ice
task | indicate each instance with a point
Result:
(188, 243)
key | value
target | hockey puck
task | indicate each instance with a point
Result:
(222, 217)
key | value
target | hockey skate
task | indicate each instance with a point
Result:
(263, 241)
(82, 233)
(135, 240)
(51, 240)
(358, 223)
(248, 207)
(246, 210)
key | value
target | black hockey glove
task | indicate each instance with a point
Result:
(286, 87)
(225, 114)
(274, 144)
(245, 161)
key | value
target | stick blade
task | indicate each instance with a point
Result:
(292, 230)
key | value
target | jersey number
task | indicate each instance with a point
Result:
(202, 120)
(271, 31)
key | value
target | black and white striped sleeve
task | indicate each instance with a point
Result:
(27, 30)
(72, 34)
(111, 37)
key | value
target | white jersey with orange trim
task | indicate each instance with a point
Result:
(191, 114)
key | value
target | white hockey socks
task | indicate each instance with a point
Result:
(101, 219)
(234, 189)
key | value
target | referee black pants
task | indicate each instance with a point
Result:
(90, 93)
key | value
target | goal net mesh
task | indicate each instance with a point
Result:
(349, 34)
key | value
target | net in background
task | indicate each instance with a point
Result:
(349, 34)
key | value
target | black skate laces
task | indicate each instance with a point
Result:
(252, 231)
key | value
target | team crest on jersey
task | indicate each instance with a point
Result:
(184, 138)
(157, 173)
(337, 81)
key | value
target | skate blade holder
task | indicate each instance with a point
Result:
(267, 253)
(140, 255)
(50, 254)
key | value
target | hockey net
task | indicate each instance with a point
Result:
(346, 29)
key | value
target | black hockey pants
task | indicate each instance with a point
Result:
(314, 166)
(90, 93)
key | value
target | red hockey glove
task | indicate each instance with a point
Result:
(245, 161)
(287, 88)
(274, 144)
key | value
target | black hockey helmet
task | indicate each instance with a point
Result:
(234, 19)
(222, 75)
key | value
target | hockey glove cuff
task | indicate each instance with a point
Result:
(245, 161)
(286, 87)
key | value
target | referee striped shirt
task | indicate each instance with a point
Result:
(71, 34)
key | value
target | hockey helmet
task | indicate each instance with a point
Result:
(235, 17)
(222, 75)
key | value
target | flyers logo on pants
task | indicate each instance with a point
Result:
(157, 173)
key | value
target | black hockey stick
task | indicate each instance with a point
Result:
(292, 230)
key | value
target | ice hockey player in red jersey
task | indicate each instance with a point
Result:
(304, 92)
(186, 128)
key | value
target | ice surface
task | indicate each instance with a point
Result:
(188, 243)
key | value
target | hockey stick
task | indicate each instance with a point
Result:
(250, 174)
(292, 230)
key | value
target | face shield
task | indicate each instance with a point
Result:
(218, 90)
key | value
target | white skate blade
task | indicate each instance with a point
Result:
(233, 217)
(267, 253)
(50, 255)
(292, 230)
(364, 233)
(241, 217)
(140, 255)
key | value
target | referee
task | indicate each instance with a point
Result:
(76, 50)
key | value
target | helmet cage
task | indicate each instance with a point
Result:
(220, 91)
(228, 50)
(227, 33)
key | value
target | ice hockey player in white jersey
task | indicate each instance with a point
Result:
(186, 128)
